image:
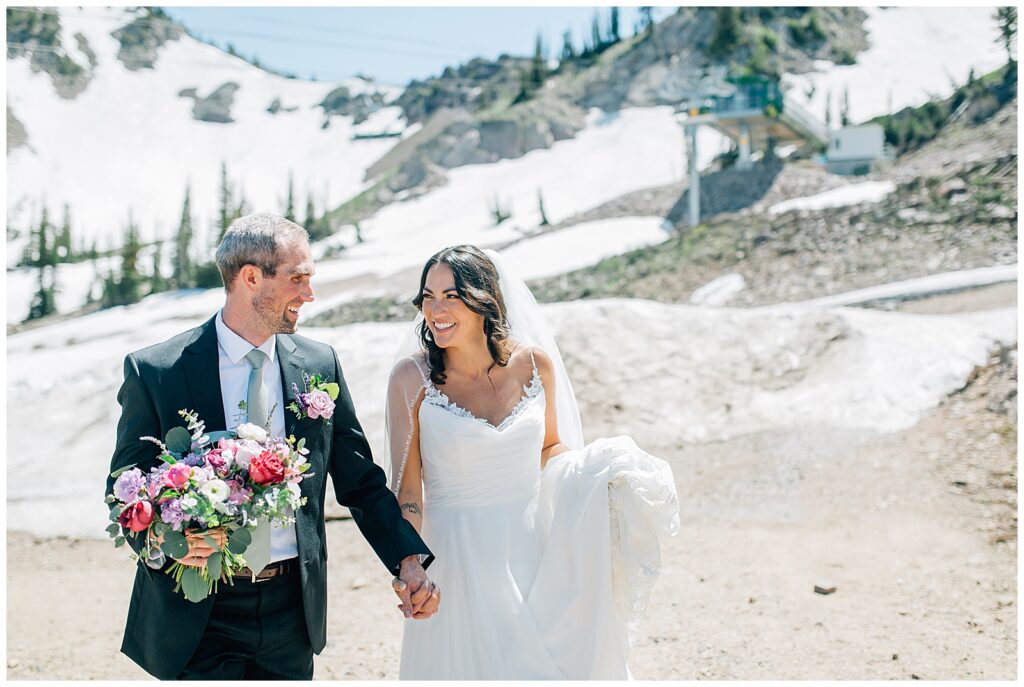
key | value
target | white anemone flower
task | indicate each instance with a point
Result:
(216, 490)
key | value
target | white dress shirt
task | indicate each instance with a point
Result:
(234, 384)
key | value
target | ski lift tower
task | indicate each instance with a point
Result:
(692, 119)
(755, 113)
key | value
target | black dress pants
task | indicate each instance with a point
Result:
(256, 631)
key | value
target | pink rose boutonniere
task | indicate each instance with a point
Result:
(317, 400)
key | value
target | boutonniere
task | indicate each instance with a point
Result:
(316, 401)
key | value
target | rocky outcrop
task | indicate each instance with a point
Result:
(34, 33)
(215, 107)
(142, 38)
(16, 134)
(675, 61)
(341, 101)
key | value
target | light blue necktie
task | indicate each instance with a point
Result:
(257, 554)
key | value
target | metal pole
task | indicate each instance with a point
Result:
(691, 130)
(744, 158)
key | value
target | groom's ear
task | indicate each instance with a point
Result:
(249, 277)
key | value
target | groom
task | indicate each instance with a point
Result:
(247, 356)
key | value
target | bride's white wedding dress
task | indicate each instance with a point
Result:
(544, 574)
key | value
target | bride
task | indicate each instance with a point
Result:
(546, 549)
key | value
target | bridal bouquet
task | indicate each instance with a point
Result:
(228, 482)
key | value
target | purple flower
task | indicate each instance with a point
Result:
(154, 481)
(128, 484)
(193, 460)
(171, 513)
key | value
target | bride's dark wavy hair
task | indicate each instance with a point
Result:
(476, 281)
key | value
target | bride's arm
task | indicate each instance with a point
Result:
(552, 444)
(405, 394)
(410, 493)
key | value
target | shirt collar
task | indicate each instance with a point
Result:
(235, 347)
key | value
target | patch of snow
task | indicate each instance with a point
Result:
(865, 192)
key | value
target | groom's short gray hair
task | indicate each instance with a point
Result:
(254, 240)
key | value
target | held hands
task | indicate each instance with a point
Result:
(420, 597)
(198, 548)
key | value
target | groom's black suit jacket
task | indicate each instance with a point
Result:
(163, 629)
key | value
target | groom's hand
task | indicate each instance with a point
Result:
(420, 598)
(198, 548)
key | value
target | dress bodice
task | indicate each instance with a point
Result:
(467, 461)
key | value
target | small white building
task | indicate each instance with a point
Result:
(856, 149)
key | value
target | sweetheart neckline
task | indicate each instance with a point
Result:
(531, 390)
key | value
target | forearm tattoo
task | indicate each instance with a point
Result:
(412, 507)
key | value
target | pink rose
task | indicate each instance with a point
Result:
(266, 468)
(319, 404)
(177, 476)
(137, 516)
(214, 459)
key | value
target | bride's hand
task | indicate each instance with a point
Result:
(420, 597)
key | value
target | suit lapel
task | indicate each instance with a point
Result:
(290, 361)
(202, 374)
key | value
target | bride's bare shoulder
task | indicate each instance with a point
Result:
(410, 370)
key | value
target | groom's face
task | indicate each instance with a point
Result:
(278, 299)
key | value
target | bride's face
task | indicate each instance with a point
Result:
(449, 319)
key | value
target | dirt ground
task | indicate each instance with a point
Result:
(915, 530)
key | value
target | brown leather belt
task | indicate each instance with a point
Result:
(271, 571)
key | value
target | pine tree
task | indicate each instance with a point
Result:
(62, 242)
(44, 300)
(311, 224)
(568, 51)
(646, 19)
(1006, 19)
(595, 33)
(225, 210)
(183, 274)
(126, 288)
(726, 36)
(828, 109)
(539, 65)
(844, 108)
(289, 211)
(543, 215)
(613, 26)
(157, 283)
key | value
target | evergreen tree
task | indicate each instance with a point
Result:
(225, 210)
(613, 26)
(44, 299)
(726, 36)
(311, 224)
(289, 211)
(844, 108)
(539, 65)
(595, 34)
(828, 109)
(568, 51)
(183, 274)
(157, 283)
(646, 19)
(126, 288)
(62, 242)
(543, 215)
(1006, 19)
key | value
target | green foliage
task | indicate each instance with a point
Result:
(807, 30)
(980, 98)
(183, 275)
(127, 286)
(289, 211)
(1006, 20)
(727, 35)
(44, 301)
